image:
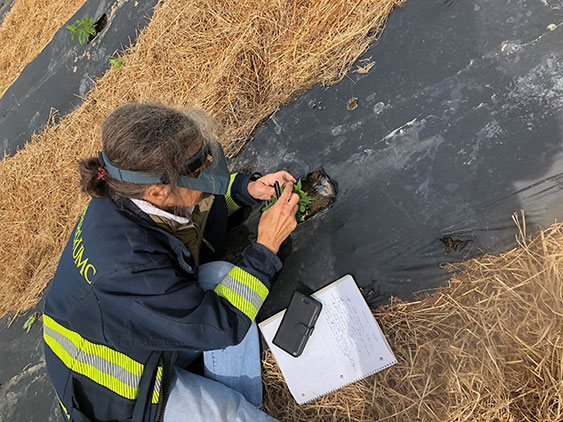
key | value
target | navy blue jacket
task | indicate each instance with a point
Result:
(125, 298)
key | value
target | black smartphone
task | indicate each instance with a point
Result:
(297, 323)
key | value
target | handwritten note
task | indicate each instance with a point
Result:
(346, 346)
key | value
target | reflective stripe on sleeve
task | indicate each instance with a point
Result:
(230, 201)
(244, 291)
(103, 365)
(156, 391)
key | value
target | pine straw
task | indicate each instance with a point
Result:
(26, 29)
(487, 348)
(239, 60)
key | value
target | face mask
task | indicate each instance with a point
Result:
(213, 179)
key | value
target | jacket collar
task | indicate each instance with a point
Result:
(134, 213)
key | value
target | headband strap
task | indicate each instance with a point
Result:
(128, 175)
(213, 179)
(193, 164)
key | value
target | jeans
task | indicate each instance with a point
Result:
(231, 388)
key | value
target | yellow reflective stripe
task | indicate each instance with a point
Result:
(99, 350)
(63, 406)
(101, 364)
(244, 291)
(156, 391)
(90, 371)
(230, 202)
(237, 301)
(250, 281)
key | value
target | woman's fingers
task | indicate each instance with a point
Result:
(279, 221)
(263, 188)
(286, 176)
(287, 192)
(281, 177)
(294, 199)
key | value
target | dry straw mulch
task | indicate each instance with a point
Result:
(26, 29)
(239, 60)
(487, 348)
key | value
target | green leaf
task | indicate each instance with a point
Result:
(302, 208)
(27, 325)
(298, 185)
(83, 28)
(115, 62)
(30, 321)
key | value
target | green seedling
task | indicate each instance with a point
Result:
(33, 318)
(304, 201)
(84, 28)
(116, 61)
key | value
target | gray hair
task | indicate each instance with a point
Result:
(150, 138)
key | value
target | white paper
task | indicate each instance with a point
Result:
(346, 345)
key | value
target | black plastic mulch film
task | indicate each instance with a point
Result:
(65, 70)
(458, 125)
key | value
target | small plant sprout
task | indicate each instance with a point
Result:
(84, 28)
(304, 201)
(33, 318)
(116, 61)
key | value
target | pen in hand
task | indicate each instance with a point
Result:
(277, 189)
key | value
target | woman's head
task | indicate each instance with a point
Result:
(147, 138)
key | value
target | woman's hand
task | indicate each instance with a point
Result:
(278, 221)
(263, 188)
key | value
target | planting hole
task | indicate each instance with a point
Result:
(99, 25)
(450, 243)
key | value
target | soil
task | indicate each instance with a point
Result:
(352, 103)
(450, 243)
(321, 188)
(243, 223)
(99, 25)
